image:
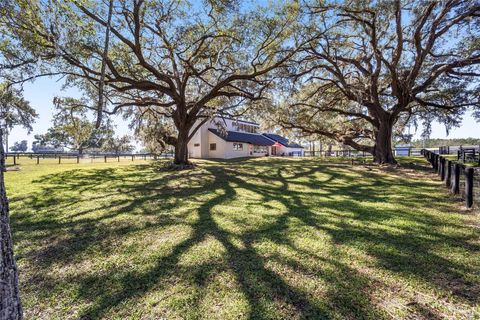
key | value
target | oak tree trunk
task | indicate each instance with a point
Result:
(10, 304)
(382, 151)
(181, 150)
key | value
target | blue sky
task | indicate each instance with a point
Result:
(41, 93)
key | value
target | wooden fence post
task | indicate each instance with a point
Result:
(133, 157)
(105, 159)
(14, 160)
(448, 173)
(456, 178)
(442, 168)
(469, 187)
(118, 158)
(59, 159)
(38, 159)
(78, 159)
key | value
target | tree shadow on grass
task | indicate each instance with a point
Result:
(264, 289)
(341, 210)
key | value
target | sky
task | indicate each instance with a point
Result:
(41, 93)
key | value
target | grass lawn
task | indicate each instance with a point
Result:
(453, 157)
(250, 239)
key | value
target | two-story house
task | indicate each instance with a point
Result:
(226, 138)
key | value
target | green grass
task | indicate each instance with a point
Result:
(247, 239)
(467, 163)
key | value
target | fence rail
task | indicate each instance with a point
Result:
(62, 157)
(355, 153)
(458, 177)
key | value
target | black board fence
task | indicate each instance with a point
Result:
(62, 158)
(459, 178)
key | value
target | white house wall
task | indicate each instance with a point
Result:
(247, 151)
(221, 149)
(200, 137)
(195, 152)
(230, 153)
(285, 151)
(263, 154)
(296, 150)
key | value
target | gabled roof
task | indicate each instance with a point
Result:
(235, 136)
(283, 141)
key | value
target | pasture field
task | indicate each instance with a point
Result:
(267, 238)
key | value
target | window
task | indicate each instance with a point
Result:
(213, 146)
(243, 127)
(196, 144)
(238, 146)
(260, 149)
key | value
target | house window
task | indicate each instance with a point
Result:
(196, 144)
(238, 146)
(213, 146)
(260, 149)
(245, 127)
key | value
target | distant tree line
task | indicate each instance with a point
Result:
(434, 143)
(21, 146)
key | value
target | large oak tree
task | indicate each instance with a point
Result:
(183, 60)
(14, 110)
(378, 65)
(10, 303)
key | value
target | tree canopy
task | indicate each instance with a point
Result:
(354, 71)
(377, 65)
(177, 59)
(14, 110)
(71, 128)
(118, 145)
(21, 146)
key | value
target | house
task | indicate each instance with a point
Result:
(227, 138)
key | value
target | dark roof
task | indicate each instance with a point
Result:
(283, 141)
(235, 136)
